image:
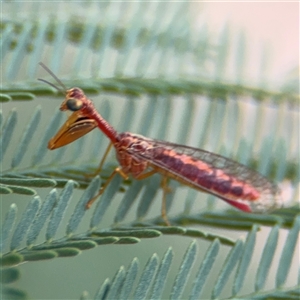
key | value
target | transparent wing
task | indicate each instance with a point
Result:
(229, 180)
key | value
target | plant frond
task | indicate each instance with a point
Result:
(9, 275)
(139, 87)
(230, 262)
(244, 262)
(161, 49)
(7, 131)
(27, 136)
(287, 253)
(184, 272)
(50, 212)
(147, 277)
(131, 275)
(242, 221)
(8, 226)
(162, 274)
(155, 275)
(25, 222)
(12, 293)
(204, 269)
(266, 258)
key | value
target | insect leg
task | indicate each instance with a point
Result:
(145, 175)
(98, 170)
(109, 179)
(166, 189)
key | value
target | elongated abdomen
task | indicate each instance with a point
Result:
(235, 183)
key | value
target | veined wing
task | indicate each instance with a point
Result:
(231, 181)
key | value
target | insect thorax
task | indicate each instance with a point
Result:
(127, 148)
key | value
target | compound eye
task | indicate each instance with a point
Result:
(74, 104)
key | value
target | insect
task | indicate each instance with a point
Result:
(141, 157)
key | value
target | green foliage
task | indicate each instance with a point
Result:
(153, 270)
(162, 73)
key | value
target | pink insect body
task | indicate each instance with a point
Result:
(202, 170)
(142, 157)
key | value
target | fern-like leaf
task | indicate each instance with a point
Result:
(153, 270)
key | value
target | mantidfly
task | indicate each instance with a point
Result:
(142, 157)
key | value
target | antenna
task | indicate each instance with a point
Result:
(53, 85)
(55, 77)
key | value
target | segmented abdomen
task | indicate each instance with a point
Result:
(235, 183)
